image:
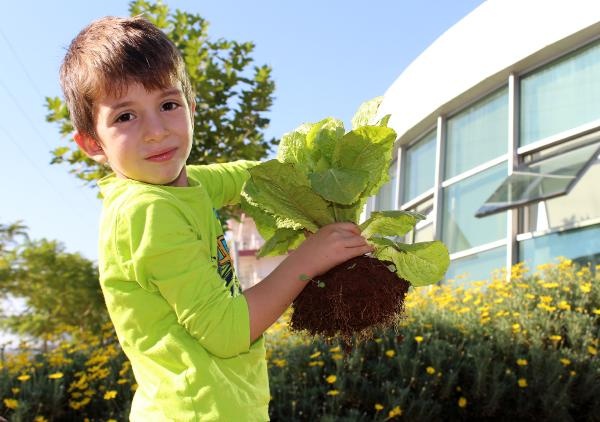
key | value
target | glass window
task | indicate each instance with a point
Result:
(423, 230)
(581, 204)
(460, 228)
(386, 195)
(419, 167)
(561, 96)
(478, 134)
(581, 245)
(550, 177)
(476, 267)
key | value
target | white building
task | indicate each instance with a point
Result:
(500, 117)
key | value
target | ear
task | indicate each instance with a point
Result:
(90, 147)
(193, 111)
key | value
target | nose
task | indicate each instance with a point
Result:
(155, 129)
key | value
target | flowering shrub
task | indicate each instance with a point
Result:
(496, 350)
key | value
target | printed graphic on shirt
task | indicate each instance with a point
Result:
(225, 264)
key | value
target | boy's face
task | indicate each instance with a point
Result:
(143, 135)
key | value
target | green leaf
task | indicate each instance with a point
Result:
(420, 263)
(281, 242)
(390, 223)
(292, 146)
(321, 140)
(265, 222)
(384, 120)
(369, 149)
(366, 112)
(343, 186)
(284, 191)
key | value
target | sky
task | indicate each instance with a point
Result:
(327, 57)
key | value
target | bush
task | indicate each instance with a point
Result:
(494, 350)
(501, 350)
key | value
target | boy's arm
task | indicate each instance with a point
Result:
(160, 250)
(223, 182)
(330, 246)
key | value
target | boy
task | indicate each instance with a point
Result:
(193, 338)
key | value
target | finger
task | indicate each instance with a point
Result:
(360, 250)
(347, 226)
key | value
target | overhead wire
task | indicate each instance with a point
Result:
(37, 168)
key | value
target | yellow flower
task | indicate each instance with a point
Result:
(430, 370)
(333, 392)
(315, 355)
(23, 377)
(11, 403)
(122, 381)
(378, 407)
(586, 287)
(316, 363)
(555, 338)
(279, 362)
(396, 411)
(390, 353)
(516, 328)
(462, 402)
(522, 382)
(565, 361)
(592, 350)
(522, 362)
(418, 339)
(55, 376)
(331, 379)
(596, 311)
(564, 305)
(111, 420)
(337, 356)
(15, 391)
(109, 395)
(335, 349)
(40, 419)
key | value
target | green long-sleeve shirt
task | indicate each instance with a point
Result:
(176, 305)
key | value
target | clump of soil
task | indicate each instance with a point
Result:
(352, 299)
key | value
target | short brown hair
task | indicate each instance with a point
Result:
(111, 53)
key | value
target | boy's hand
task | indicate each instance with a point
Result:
(330, 246)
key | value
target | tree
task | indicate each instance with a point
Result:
(58, 288)
(231, 99)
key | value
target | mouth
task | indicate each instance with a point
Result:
(163, 155)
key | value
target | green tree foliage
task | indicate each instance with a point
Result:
(58, 288)
(232, 96)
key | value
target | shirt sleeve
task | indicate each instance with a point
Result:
(164, 254)
(223, 182)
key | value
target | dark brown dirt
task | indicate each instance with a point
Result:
(350, 300)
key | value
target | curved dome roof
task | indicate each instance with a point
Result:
(479, 52)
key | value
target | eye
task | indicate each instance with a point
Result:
(170, 106)
(125, 117)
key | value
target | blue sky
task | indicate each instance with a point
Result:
(327, 58)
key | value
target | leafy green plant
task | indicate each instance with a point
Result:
(323, 174)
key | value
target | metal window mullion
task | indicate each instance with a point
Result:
(400, 182)
(440, 151)
(512, 215)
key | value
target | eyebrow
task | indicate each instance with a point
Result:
(166, 93)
